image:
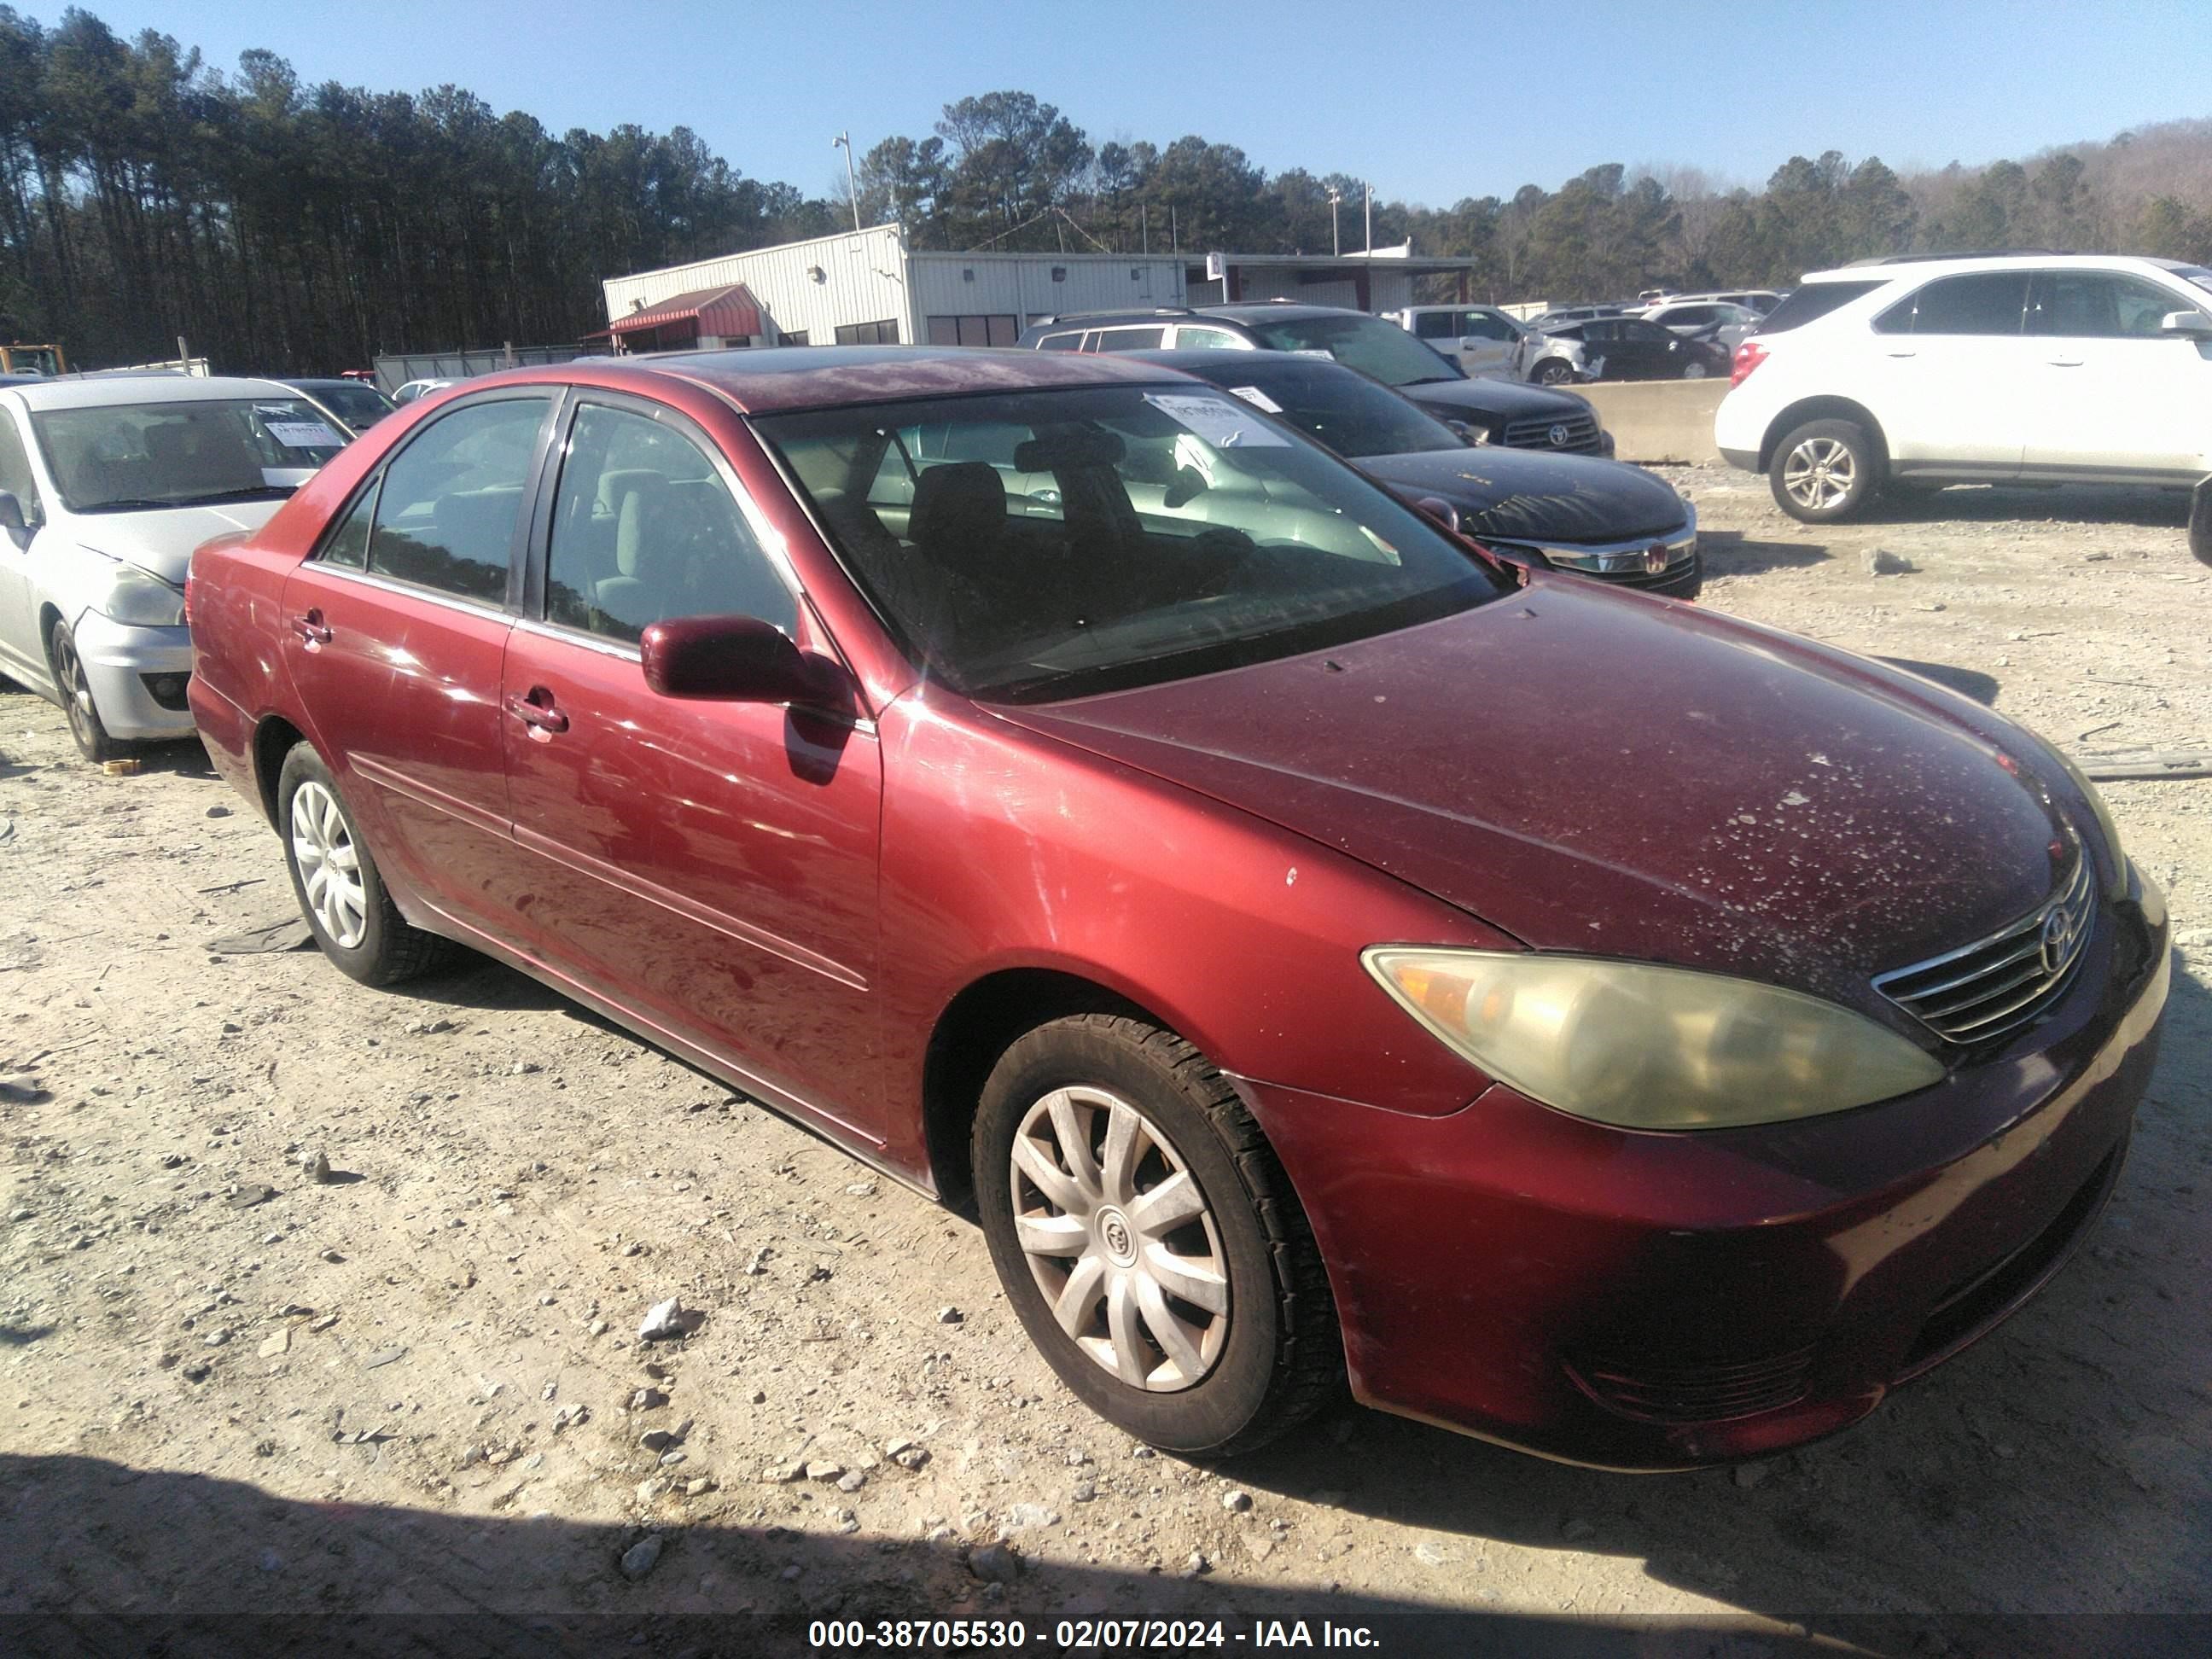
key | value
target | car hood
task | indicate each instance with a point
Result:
(1608, 774)
(1528, 495)
(162, 542)
(1494, 400)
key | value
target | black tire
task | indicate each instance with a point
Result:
(1555, 371)
(387, 949)
(1824, 471)
(1280, 1357)
(2200, 521)
(85, 724)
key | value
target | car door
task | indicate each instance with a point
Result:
(709, 865)
(1945, 375)
(21, 650)
(2116, 394)
(395, 630)
(1649, 352)
(1487, 344)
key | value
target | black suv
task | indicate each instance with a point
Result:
(1501, 411)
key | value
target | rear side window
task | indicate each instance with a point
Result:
(1810, 303)
(349, 543)
(1984, 302)
(1130, 339)
(446, 511)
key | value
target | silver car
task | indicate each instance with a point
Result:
(106, 485)
(1487, 342)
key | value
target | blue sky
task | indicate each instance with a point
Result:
(1429, 102)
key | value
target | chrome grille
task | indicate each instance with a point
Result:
(1992, 987)
(1580, 432)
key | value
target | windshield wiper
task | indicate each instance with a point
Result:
(122, 505)
(234, 495)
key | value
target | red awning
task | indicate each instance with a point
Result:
(731, 313)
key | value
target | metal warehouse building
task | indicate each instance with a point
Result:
(864, 288)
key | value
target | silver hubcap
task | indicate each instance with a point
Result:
(1820, 473)
(329, 865)
(1120, 1240)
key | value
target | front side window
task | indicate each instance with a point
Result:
(644, 530)
(2105, 304)
(1433, 325)
(1060, 342)
(446, 511)
(1366, 343)
(121, 457)
(15, 469)
(1130, 339)
(1983, 302)
(1126, 535)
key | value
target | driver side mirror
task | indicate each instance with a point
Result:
(2190, 325)
(737, 659)
(11, 513)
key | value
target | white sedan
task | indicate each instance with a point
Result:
(106, 486)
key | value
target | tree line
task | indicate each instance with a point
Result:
(286, 228)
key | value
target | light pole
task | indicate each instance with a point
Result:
(1335, 241)
(1368, 191)
(844, 141)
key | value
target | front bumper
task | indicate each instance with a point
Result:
(138, 677)
(1651, 1301)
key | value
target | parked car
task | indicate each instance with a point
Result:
(1566, 316)
(1485, 341)
(1761, 299)
(1715, 321)
(107, 485)
(1523, 417)
(1577, 514)
(414, 389)
(1630, 349)
(1914, 373)
(354, 405)
(1306, 952)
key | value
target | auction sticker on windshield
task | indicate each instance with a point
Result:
(1257, 398)
(1220, 424)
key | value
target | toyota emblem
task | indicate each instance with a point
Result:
(1558, 435)
(2057, 939)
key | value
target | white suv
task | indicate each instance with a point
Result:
(1913, 374)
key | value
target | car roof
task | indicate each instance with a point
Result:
(318, 382)
(104, 391)
(1898, 267)
(779, 379)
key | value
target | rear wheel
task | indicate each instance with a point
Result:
(1823, 472)
(1148, 1239)
(341, 893)
(1694, 370)
(85, 722)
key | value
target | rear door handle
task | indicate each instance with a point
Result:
(310, 628)
(537, 712)
(2063, 362)
(1904, 354)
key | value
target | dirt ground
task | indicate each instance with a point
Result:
(418, 1387)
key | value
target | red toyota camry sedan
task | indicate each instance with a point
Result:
(1575, 1018)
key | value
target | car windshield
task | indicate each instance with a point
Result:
(1366, 343)
(116, 457)
(359, 406)
(1037, 545)
(1345, 410)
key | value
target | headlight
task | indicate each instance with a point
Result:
(1649, 1047)
(140, 599)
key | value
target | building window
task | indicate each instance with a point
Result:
(885, 333)
(991, 330)
(792, 337)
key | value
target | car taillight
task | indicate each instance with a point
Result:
(1748, 355)
(189, 572)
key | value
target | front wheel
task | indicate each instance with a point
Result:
(69, 680)
(340, 891)
(1823, 472)
(1149, 1240)
(1553, 371)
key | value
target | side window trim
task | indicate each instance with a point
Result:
(547, 487)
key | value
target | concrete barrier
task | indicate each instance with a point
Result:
(1659, 420)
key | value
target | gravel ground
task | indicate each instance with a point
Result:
(226, 1386)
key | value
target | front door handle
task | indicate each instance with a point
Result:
(537, 712)
(2063, 362)
(310, 628)
(1904, 354)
